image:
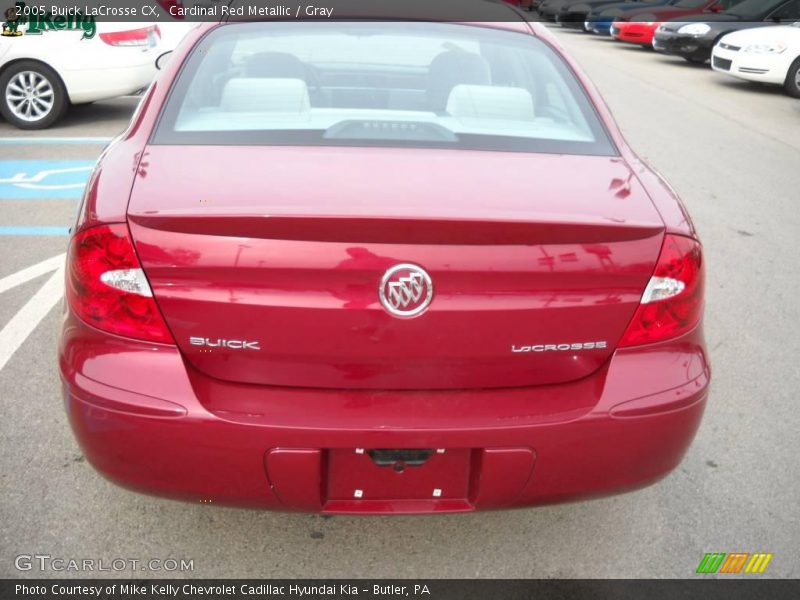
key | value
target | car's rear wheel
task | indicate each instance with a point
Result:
(32, 95)
(792, 83)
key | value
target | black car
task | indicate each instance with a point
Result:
(573, 14)
(694, 37)
(548, 9)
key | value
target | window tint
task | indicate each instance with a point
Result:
(380, 83)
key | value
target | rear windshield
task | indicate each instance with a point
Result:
(379, 84)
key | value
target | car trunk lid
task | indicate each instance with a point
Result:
(267, 261)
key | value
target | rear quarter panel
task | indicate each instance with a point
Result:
(108, 190)
(665, 199)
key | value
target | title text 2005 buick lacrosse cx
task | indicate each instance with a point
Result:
(380, 267)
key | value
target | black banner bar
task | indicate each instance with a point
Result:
(43, 13)
(365, 589)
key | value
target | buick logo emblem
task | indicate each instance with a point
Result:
(406, 290)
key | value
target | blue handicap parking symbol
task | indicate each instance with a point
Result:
(43, 179)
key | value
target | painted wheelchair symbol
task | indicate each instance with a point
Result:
(37, 181)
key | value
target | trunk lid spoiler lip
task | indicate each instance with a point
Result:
(546, 228)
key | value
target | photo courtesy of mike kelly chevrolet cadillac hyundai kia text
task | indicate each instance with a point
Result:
(384, 271)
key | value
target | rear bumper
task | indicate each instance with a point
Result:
(149, 423)
(131, 70)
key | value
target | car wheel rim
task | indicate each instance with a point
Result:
(797, 79)
(30, 96)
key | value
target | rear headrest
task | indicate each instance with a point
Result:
(274, 64)
(451, 68)
(490, 102)
(256, 94)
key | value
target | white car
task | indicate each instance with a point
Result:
(42, 74)
(765, 54)
(173, 32)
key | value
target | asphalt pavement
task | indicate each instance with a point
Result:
(732, 151)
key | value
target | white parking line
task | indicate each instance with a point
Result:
(32, 272)
(22, 324)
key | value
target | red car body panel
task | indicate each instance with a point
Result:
(594, 284)
(293, 429)
(626, 426)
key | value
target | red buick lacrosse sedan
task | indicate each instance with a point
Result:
(380, 267)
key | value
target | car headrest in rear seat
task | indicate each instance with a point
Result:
(451, 68)
(274, 65)
(256, 94)
(490, 102)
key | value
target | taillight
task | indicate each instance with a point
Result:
(107, 288)
(672, 303)
(132, 37)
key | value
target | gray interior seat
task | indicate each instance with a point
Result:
(266, 95)
(451, 68)
(490, 102)
(283, 65)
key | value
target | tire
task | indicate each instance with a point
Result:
(32, 95)
(695, 61)
(792, 83)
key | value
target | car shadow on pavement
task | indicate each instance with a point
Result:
(677, 61)
(638, 48)
(247, 543)
(99, 112)
(82, 118)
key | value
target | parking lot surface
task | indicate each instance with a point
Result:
(732, 151)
